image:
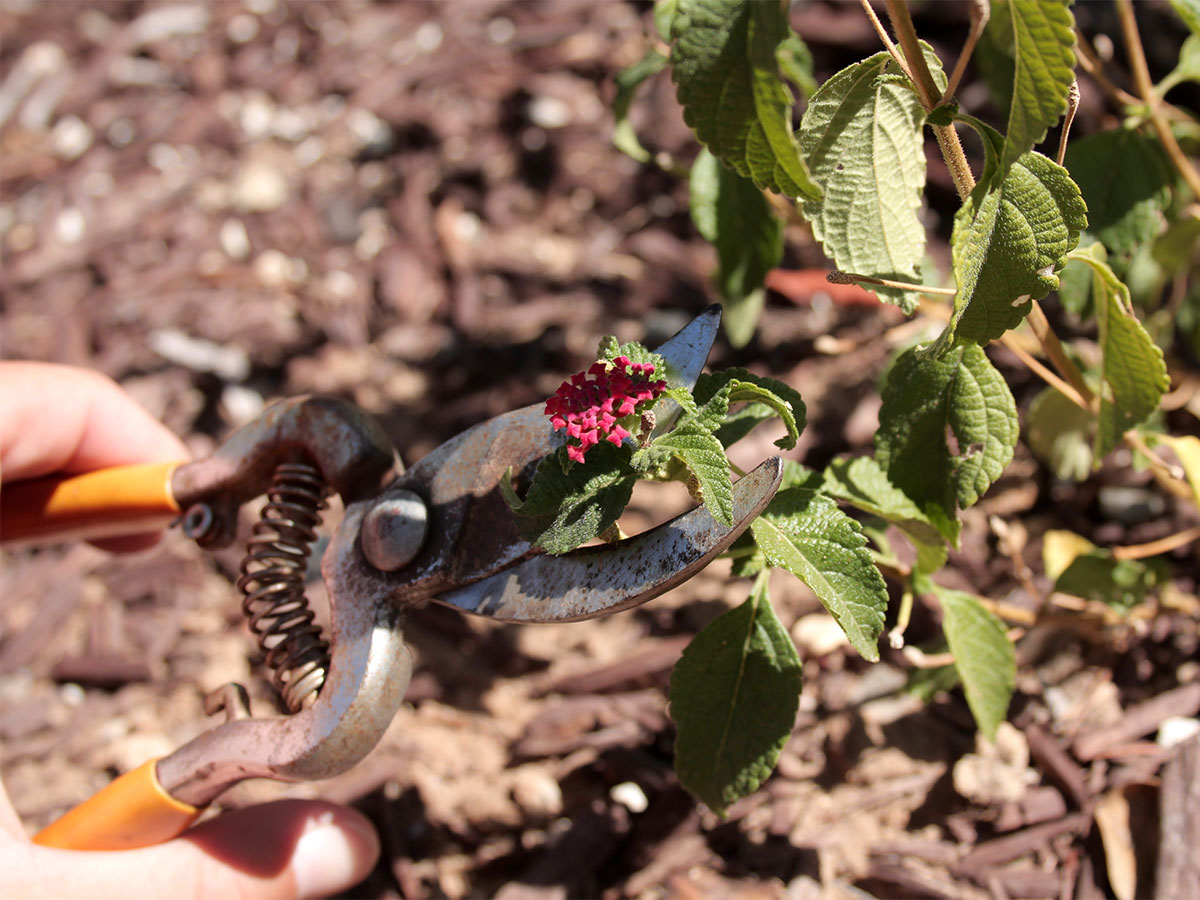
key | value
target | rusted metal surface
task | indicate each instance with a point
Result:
(472, 558)
(596, 581)
(352, 451)
(368, 676)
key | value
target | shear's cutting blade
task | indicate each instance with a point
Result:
(595, 581)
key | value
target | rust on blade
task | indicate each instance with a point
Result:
(595, 581)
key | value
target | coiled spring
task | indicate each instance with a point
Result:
(272, 580)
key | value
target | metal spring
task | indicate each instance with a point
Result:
(272, 580)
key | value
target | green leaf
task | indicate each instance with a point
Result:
(1010, 237)
(1125, 181)
(565, 509)
(1059, 434)
(1188, 67)
(628, 81)
(804, 532)
(702, 454)
(995, 55)
(864, 485)
(727, 77)
(732, 214)
(983, 655)
(1133, 374)
(947, 428)
(1044, 37)
(739, 385)
(796, 64)
(1075, 289)
(734, 696)
(1189, 11)
(664, 15)
(1179, 244)
(1121, 584)
(862, 138)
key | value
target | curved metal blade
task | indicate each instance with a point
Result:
(596, 581)
(472, 533)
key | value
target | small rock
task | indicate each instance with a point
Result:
(234, 240)
(70, 226)
(259, 187)
(997, 772)
(630, 795)
(71, 137)
(819, 634)
(199, 355)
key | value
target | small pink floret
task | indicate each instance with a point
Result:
(589, 404)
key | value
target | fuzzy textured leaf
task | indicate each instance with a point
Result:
(804, 532)
(717, 391)
(564, 509)
(727, 77)
(947, 428)
(983, 655)
(1124, 179)
(731, 213)
(1044, 38)
(1010, 237)
(862, 138)
(702, 454)
(864, 485)
(1133, 374)
(734, 695)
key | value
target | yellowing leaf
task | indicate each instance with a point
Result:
(1059, 549)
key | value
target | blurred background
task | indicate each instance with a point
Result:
(417, 206)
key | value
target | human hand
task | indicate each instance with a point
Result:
(57, 419)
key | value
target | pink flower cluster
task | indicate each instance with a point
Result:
(589, 408)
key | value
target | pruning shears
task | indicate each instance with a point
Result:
(439, 531)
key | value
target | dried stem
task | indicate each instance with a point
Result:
(1091, 64)
(1141, 77)
(1072, 108)
(1171, 478)
(1053, 349)
(1009, 341)
(1162, 545)
(838, 276)
(981, 11)
(886, 41)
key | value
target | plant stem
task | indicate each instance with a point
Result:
(1162, 545)
(1053, 349)
(981, 11)
(887, 41)
(903, 615)
(1046, 375)
(1072, 108)
(927, 90)
(1091, 64)
(837, 276)
(1171, 480)
(1141, 77)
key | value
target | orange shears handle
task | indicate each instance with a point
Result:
(133, 811)
(104, 503)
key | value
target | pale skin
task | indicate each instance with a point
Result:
(61, 419)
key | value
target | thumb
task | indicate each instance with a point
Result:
(286, 849)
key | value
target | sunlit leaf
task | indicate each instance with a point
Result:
(804, 532)
(726, 71)
(983, 655)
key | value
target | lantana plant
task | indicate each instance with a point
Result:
(735, 691)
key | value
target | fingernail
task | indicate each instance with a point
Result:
(331, 857)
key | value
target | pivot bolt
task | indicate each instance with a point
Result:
(394, 531)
